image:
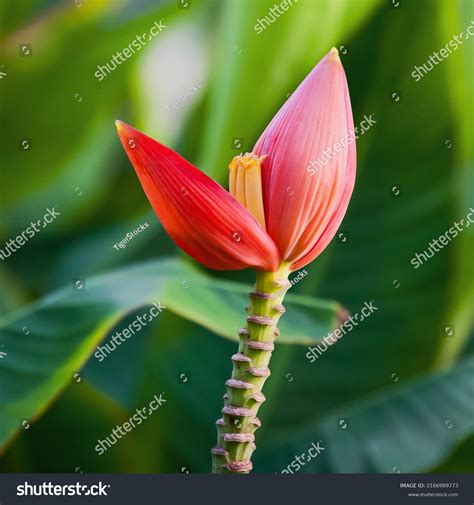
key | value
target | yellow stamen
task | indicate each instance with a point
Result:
(240, 187)
(245, 184)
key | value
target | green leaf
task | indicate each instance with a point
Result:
(71, 414)
(461, 461)
(218, 306)
(409, 428)
(47, 343)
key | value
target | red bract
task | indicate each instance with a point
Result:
(199, 214)
(307, 185)
(287, 198)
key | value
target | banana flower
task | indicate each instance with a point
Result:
(283, 207)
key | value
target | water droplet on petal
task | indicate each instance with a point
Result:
(184, 190)
(236, 237)
(132, 143)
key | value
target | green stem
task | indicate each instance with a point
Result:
(236, 428)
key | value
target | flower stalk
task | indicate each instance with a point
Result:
(236, 428)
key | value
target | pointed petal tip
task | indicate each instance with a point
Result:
(121, 126)
(333, 56)
(128, 135)
(124, 128)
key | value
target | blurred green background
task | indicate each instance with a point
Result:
(403, 381)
